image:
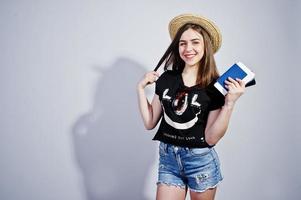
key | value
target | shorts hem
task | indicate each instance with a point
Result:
(207, 188)
(171, 184)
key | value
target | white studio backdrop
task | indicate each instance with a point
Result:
(70, 127)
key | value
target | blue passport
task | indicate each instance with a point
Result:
(238, 70)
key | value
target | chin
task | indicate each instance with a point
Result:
(191, 64)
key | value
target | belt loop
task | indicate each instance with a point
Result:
(165, 148)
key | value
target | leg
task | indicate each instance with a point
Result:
(207, 195)
(203, 174)
(168, 192)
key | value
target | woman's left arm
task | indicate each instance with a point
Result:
(218, 120)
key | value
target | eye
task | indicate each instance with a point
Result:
(195, 42)
(182, 43)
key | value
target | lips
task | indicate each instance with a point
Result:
(189, 55)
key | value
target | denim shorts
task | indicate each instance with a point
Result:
(195, 168)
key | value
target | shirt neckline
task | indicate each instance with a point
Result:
(183, 84)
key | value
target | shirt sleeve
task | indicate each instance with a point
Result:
(160, 84)
(158, 87)
(217, 99)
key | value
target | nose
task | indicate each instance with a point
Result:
(188, 47)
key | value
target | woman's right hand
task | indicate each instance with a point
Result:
(148, 78)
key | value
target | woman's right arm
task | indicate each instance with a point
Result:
(150, 113)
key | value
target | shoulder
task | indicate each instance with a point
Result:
(211, 89)
(168, 79)
(168, 75)
(217, 99)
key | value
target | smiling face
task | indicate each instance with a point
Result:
(191, 47)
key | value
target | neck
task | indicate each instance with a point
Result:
(190, 70)
(189, 75)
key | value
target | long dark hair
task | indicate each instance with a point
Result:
(207, 70)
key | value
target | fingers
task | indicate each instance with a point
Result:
(148, 78)
(155, 73)
(235, 88)
(151, 77)
(230, 82)
(152, 73)
(241, 82)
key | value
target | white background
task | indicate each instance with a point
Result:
(70, 127)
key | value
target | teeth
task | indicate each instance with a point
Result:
(189, 56)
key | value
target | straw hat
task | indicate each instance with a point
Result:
(208, 25)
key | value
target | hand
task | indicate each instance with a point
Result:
(148, 78)
(235, 89)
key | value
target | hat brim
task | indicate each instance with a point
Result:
(214, 33)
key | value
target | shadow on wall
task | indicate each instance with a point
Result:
(111, 145)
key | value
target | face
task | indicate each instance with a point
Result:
(191, 47)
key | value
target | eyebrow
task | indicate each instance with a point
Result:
(190, 40)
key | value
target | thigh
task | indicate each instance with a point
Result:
(207, 195)
(169, 172)
(202, 169)
(170, 192)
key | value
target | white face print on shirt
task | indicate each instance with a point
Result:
(180, 105)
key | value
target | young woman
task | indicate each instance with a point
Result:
(195, 116)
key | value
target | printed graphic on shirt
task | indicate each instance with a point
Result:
(165, 96)
(194, 102)
(185, 110)
(180, 104)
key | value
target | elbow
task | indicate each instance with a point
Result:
(211, 140)
(213, 135)
(149, 126)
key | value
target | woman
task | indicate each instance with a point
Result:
(195, 116)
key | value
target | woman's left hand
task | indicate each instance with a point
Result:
(235, 89)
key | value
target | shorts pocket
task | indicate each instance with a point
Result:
(199, 151)
(162, 149)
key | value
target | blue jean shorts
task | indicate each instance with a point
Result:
(195, 168)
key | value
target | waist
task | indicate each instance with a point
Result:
(174, 148)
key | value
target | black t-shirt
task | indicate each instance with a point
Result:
(185, 110)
